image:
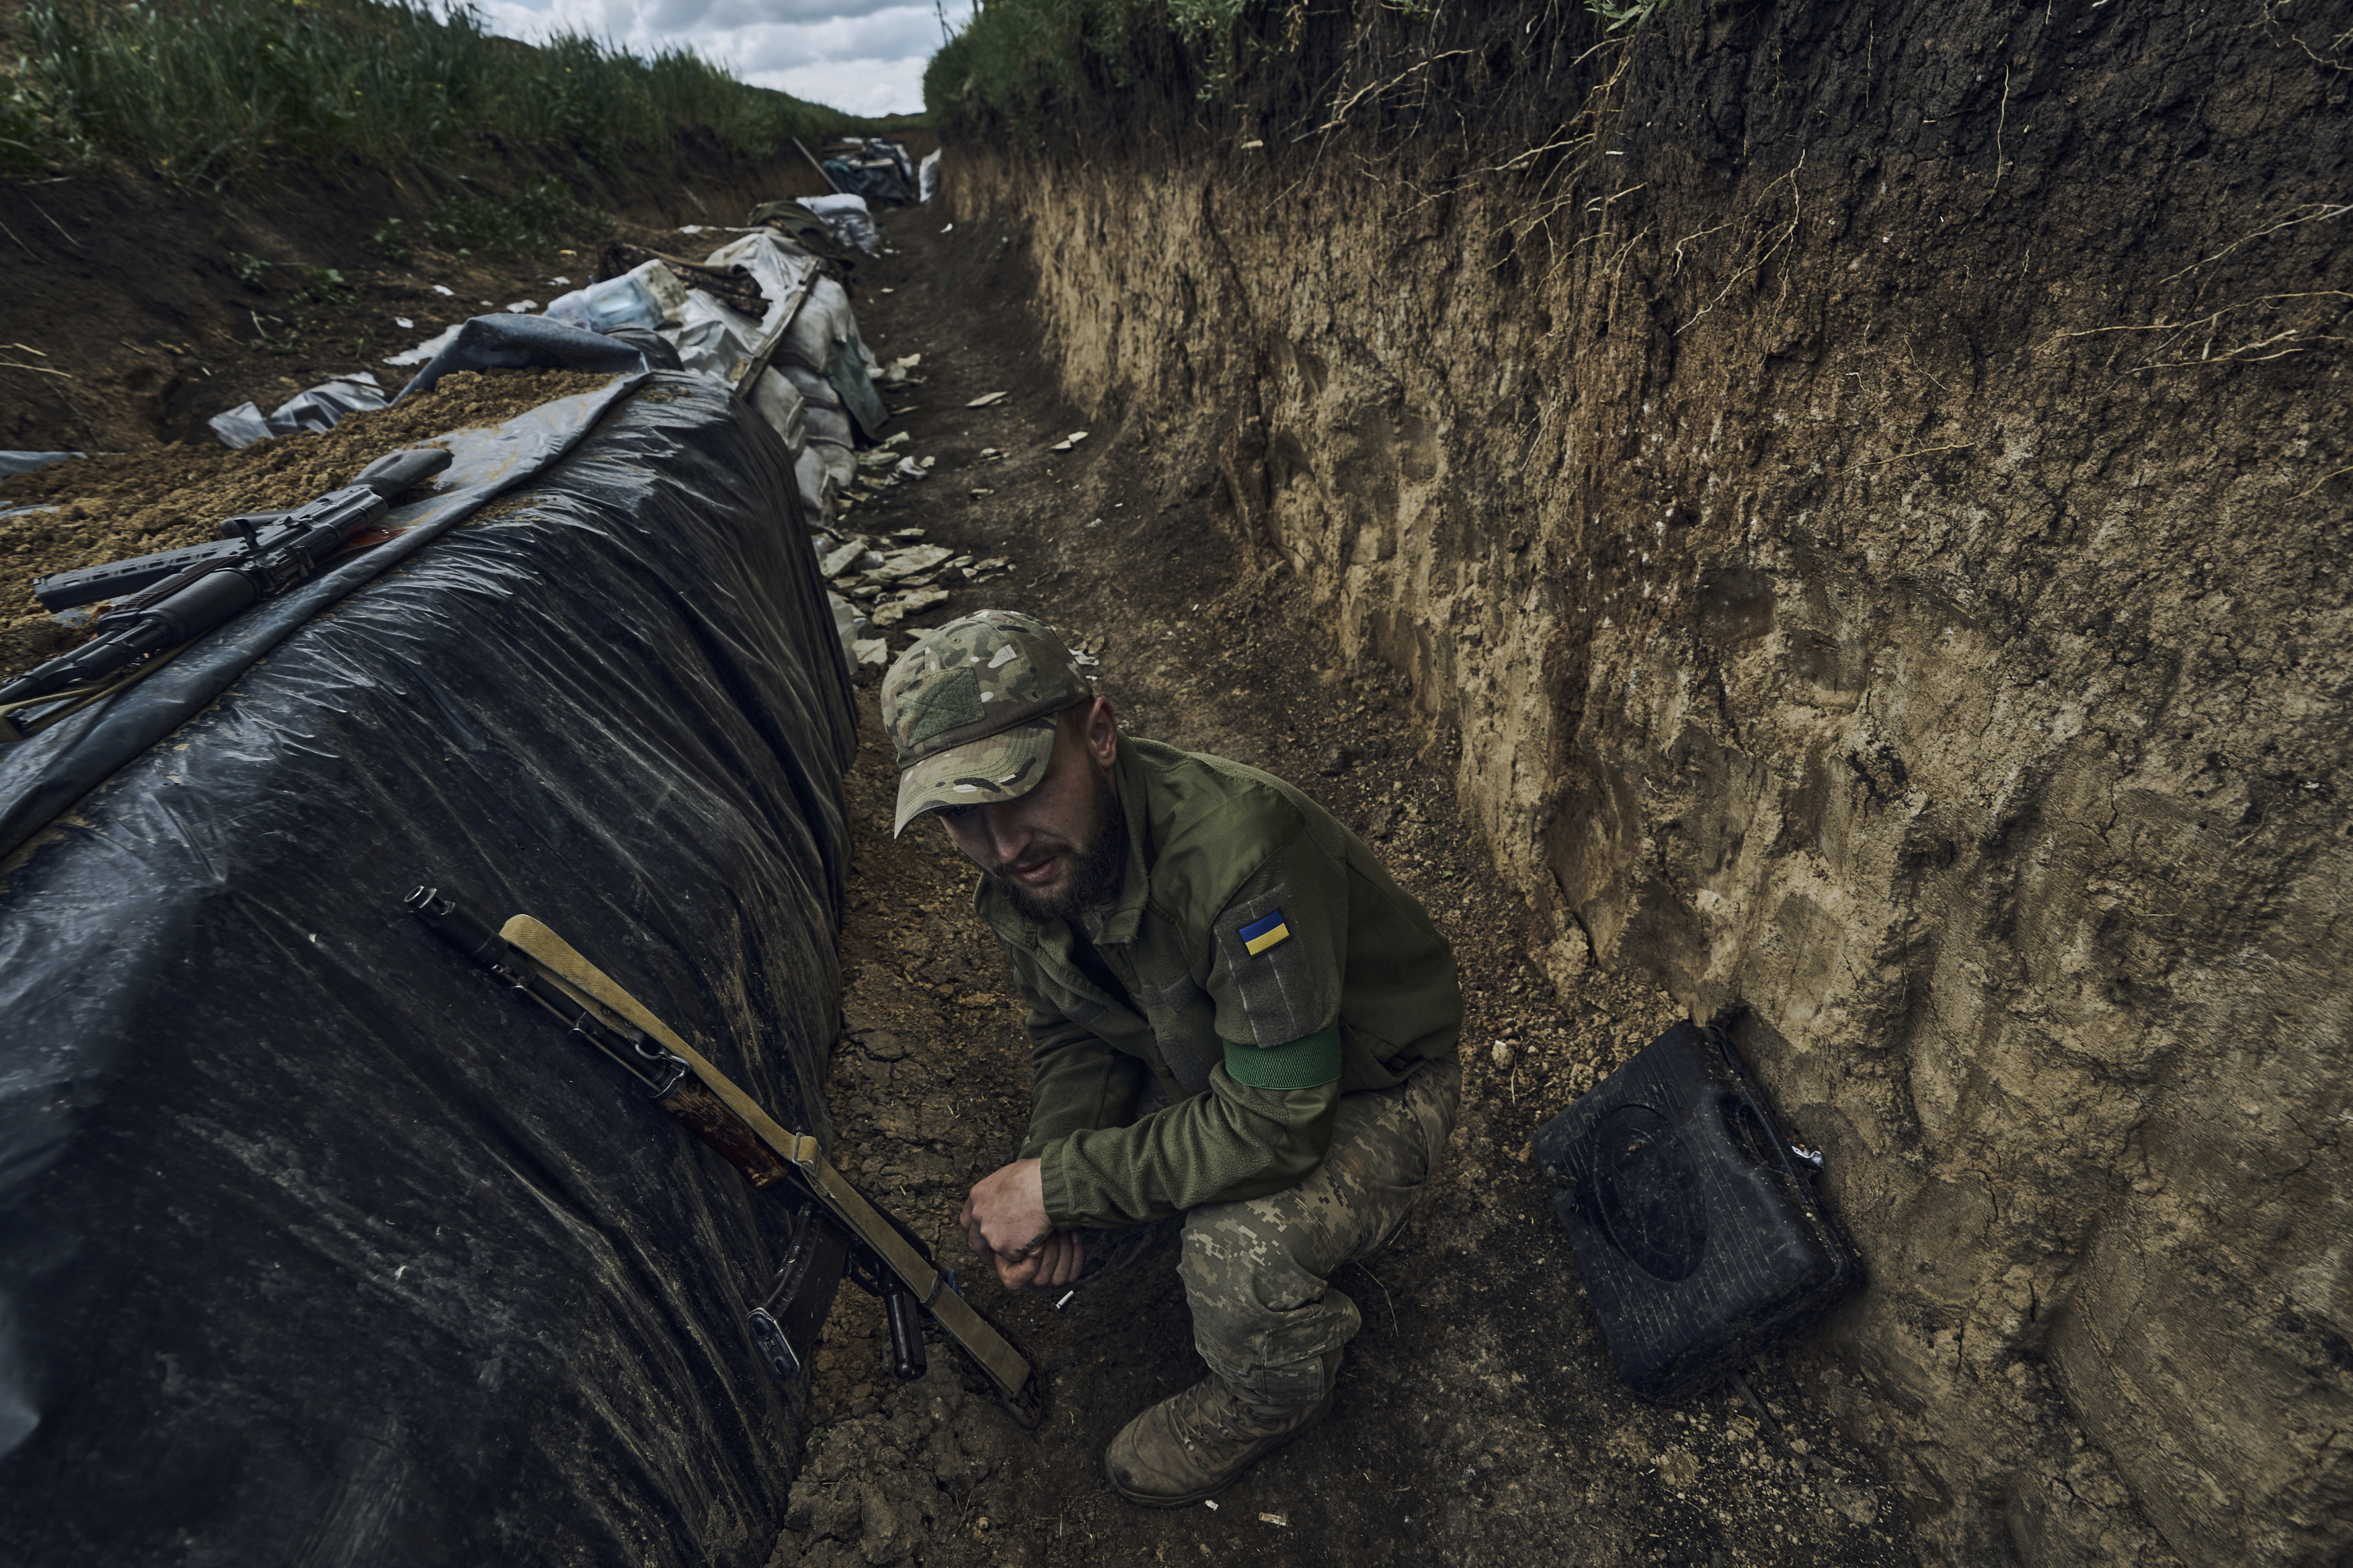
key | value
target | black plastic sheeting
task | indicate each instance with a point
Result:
(316, 1245)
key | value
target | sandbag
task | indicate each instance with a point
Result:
(316, 1245)
(781, 404)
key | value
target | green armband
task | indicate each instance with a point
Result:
(1310, 1063)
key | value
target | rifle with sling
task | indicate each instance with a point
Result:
(837, 1228)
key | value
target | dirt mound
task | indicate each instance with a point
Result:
(137, 309)
(120, 504)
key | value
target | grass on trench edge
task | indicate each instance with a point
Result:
(208, 90)
(1016, 55)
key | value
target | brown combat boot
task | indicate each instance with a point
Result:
(1196, 1444)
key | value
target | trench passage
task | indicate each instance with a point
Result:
(1477, 1412)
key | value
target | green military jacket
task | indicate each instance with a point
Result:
(1269, 966)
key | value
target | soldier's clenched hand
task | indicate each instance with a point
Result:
(1005, 1224)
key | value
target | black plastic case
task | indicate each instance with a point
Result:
(1692, 1217)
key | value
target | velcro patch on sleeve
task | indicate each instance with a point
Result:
(1260, 935)
(1282, 974)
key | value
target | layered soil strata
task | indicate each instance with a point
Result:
(1862, 495)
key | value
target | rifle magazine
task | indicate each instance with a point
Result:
(788, 1325)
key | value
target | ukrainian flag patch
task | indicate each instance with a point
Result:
(1260, 935)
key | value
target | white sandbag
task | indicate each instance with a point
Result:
(781, 269)
(779, 403)
(846, 215)
(813, 477)
(824, 320)
(815, 390)
(829, 427)
(713, 338)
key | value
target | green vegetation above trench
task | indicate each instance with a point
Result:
(212, 90)
(1019, 56)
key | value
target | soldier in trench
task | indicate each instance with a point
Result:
(1244, 1032)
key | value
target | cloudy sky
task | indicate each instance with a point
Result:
(863, 55)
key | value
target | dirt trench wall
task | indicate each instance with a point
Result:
(1855, 602)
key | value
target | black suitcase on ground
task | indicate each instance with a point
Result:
(1692, 1217)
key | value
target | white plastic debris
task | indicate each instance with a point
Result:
(313, 409)
(445, 292)
(987, 399)
(429, 348)
(847, 623)
(647, 295)
(927, 179)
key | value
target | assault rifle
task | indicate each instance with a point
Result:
(837, 1228)
(177, 595)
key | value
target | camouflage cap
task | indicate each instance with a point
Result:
(970, 709)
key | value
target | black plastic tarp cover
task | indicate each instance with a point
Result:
(317, 1246)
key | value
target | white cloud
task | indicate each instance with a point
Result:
(855, 86)
(865, 57)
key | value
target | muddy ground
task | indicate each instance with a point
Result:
(1478, 1419)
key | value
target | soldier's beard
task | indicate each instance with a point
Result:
(1095, 861)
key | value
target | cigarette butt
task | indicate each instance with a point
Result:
(1066, 1297)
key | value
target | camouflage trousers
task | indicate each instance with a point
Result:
(1256, 1273)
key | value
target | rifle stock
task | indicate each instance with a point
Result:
(706, 1116)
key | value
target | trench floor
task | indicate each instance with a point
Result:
(1478, 1418)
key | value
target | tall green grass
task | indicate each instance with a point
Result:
(203, 90)
(1016, 54)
